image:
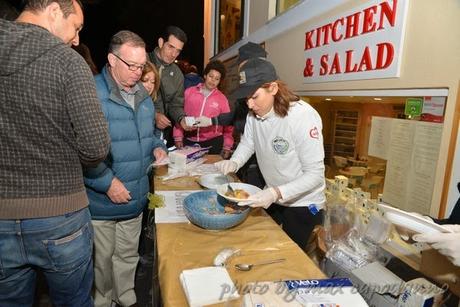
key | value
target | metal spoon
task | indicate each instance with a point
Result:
(230, 189)
(221, 179)
(248, 267)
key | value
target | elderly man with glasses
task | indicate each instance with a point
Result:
(118, 187)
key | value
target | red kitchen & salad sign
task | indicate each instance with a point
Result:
(364, 43)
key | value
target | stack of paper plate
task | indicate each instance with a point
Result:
(212, 181)
(411, 221)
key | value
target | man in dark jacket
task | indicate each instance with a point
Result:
(50, 124)
(169, 106)
(118, 187)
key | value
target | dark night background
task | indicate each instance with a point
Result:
(148, 18)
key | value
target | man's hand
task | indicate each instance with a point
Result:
(262, 198)
(161, 121)
(118, 193)
(159, 154)
(185, 127)
(203, 121)
(446, 243)
(226, 166)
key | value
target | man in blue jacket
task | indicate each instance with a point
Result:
(118, 187)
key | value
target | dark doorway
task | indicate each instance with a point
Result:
(148, 18)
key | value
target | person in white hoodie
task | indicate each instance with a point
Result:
(447, 243)
(285, 134)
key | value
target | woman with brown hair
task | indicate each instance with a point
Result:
(285, 134)
(151, 79)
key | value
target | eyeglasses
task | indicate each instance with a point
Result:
(131, 67)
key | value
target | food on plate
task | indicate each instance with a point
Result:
(238, 193)
(231, 208)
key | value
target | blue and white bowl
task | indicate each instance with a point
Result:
(206, 209)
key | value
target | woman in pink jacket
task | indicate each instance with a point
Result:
(204, 101)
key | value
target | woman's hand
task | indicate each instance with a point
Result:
(447, 244)
(226, 166)
(226, 154)
(262, 198)
(179, 144)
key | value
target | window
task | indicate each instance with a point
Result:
(381, 147)
(284, 5)
(229, 23)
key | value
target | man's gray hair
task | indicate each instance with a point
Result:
(125, 37)
(39, 5)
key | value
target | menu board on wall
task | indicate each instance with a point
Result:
(425, 152)
(380, 137)
(412, 150)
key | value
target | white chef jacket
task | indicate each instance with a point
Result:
(289, 152)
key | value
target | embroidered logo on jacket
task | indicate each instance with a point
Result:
(280, 145)
(314, 133)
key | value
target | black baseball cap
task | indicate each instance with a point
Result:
(253, 74)
(250, 50)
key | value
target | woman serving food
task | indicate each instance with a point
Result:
(285, 134)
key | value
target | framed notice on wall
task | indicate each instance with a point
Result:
(412, 152)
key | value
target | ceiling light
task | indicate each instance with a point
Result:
(377, 98)
(328, 99)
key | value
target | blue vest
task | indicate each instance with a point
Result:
(131, 152)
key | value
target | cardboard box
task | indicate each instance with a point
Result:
(441, 269)
(368, 292)
(303, 293)
(420, 292)
(181, 157)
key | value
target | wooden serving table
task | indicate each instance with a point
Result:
(184, 246)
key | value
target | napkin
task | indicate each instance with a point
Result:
(207, 285)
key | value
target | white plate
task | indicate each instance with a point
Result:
(251, 189)
(411, 221)
(212, 181)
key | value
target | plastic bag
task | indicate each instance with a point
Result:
(339, 220)
(352, 252)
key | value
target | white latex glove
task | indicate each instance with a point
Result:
(447, 244)
(452, 227)
(226, 166)
(203, 121)
(262, 198)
